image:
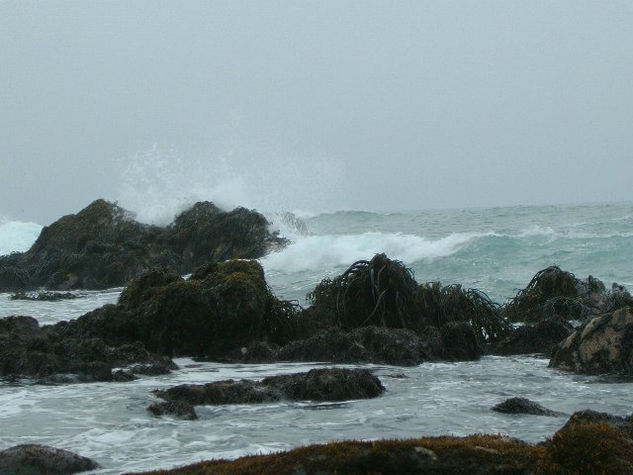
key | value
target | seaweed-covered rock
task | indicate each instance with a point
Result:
(205, 233)
(370, 344)
(103, 246)
(557, 294)
(603, 345)
(459, 342)
(35, 459)
(438, 305)
(541, 337)
(590, 442)
(220, 309)
(48, 355)
(328, 384)
(376, 292)
(382, 292)
(475, 454)
(521, 405)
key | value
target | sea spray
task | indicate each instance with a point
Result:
(158, 183)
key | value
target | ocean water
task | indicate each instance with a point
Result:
(496, 250)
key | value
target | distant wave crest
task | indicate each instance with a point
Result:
(334, 251)
(17, 236)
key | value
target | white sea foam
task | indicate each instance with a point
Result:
(17, 236)
(333, 251)
(537, 230)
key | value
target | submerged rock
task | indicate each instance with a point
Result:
(603, 345)
(521, 405)
(330, 384)
(103, 246)
(44, 296)
(35, 459)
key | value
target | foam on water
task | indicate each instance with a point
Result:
(17, 236)
(108, 421)
(329, 252)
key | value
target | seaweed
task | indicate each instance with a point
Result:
(375, 292)
(548, 283)
(439, 305)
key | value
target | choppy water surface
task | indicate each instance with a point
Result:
(108, 421)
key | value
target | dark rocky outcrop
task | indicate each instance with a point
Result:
(603, 345)
(34, 459)
(541, 337)
(454, 323)
(329, 384)
(364, 345)
(47, 355)
(103, 246)
(521, 405)
(554, 294)
(221, 308)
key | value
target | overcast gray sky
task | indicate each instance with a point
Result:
(314, 105)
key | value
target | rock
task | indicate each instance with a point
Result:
(554, 294)
(382, 292)
(475, 454)
(220, 309)
(48, 354)
(181, 409)
(34, 459)
(329, 384)
(364, 345)
(542, 337)
(521, 405)
(590, 442)
(204, 233)
(603, 345)
(103, 246)
(459, 342)
(44, 296)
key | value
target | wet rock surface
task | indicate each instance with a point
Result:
(103, 246)
(541, 337)
(521, 405)
(34, 459)
(47, 355)
(220, 309)
(44, 296)
(557, 294)
(603, 345)
(329, 384)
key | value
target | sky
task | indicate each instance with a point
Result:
(313, 105)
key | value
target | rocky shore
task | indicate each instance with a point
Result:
(374, 312)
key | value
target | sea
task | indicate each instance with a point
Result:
(495, 250)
